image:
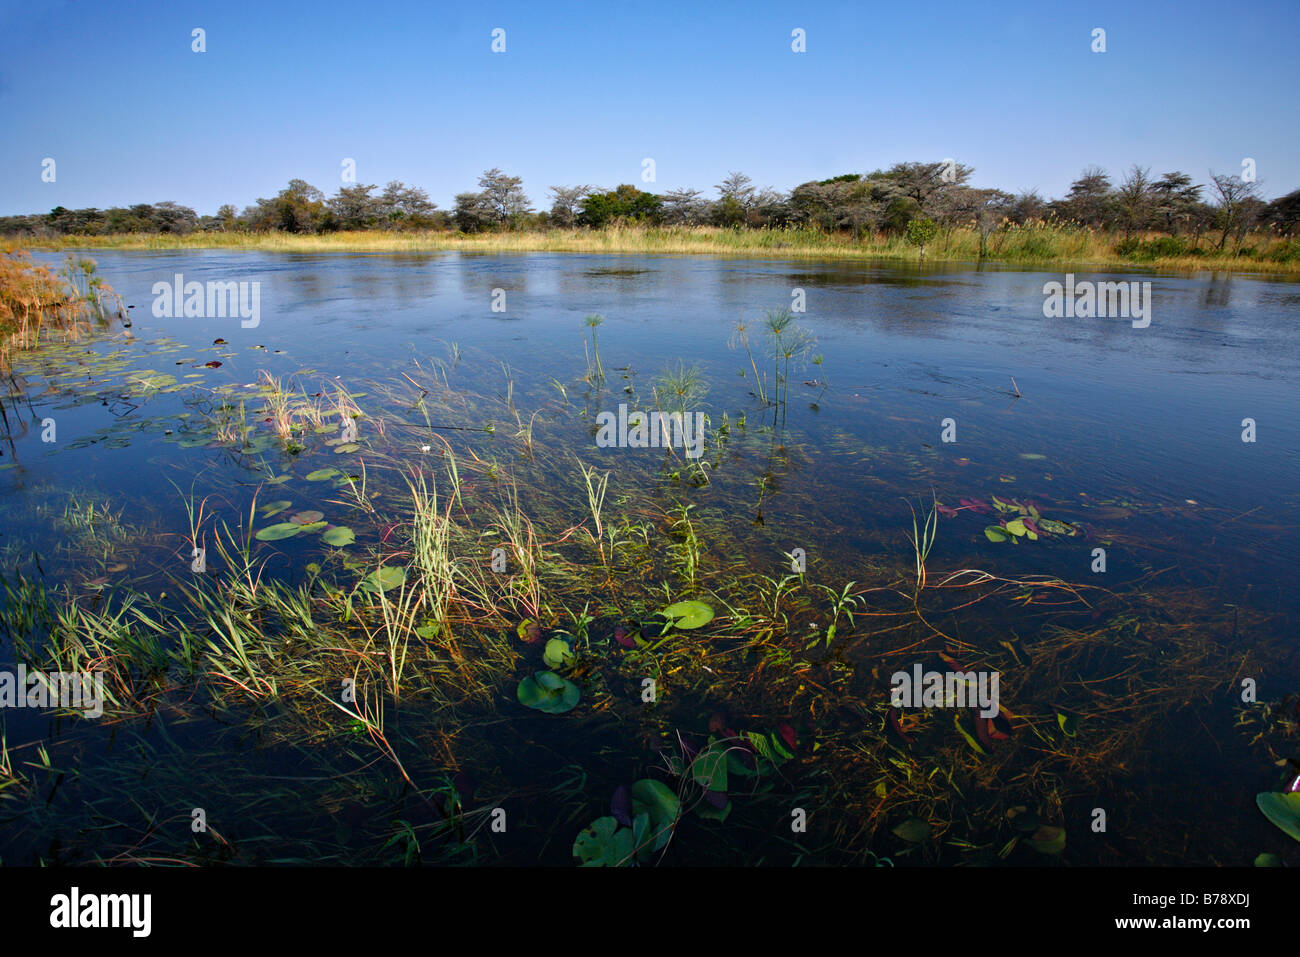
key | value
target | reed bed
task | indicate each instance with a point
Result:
(1033, 244)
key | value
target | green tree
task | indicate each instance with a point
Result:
(921, 231)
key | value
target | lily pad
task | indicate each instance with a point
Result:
(382, 579)
(1048, 839)
(311, 528)
(338, 536)
(548, 692)
(995, 533)
(604, 844)
(1016, 527)
(709, 769)
(347, 447)
(913, 830)
(306, 517)
(1053, 527)
(658, 801)
(275, 508)
(273, 533)
(1282, 808)
(688, 615)
(320, 475)
(557, 653)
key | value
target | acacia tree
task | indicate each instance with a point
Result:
(1174, 199)
(1133, 199)
(353, 207)
(1236, 199)
(564, 205)
(683, 207)
(1090, 200)
(504, 196)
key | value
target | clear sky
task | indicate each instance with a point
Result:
(586, 90)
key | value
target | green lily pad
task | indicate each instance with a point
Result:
(313, 527)
(996, 533)
(658, 801)
(346, 447)
(1053, 527)
(913, 830)
(1283, 809)
(273, 533)
(1048, 839)
(338, 536)
(709, 769)
(321, 475)
(275, 508)
(382, 579)
(604, 844)
(558, 654)
(688, 615)
(306, 517)
(1016, 527)
(548, 692)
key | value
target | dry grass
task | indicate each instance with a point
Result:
(1032, 244)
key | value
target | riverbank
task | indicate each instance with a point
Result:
(1039, 245)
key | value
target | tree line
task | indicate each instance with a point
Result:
(883, 201)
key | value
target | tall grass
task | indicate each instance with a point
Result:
(1034, 243)
(34, 300)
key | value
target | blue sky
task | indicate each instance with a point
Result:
(586, 91)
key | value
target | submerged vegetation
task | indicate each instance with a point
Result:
(401, 628)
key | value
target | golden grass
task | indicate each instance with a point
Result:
(1034, 244)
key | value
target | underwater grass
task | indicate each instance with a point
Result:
(385, 685)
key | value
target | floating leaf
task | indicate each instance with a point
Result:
(313, 527)
(275, 508)
(348, 447)
(1053, 527)
(273, 533)
(307, 517)
(338, 536)
(709, 770)
(1016, 527)
(548, 692)
(688, 615)
(604, 844)
(382, 579)
(621, 805)
(1048, 840)
(660, 803)
(1268, 860)
(321, 475)
(1282, 808)
(913, 830)
(557, 653)
(529, 631)
(995, 533)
